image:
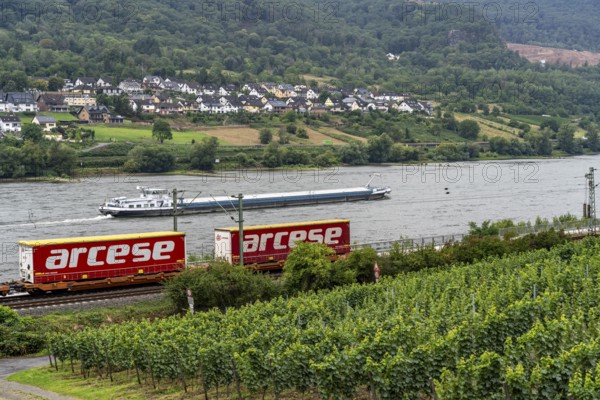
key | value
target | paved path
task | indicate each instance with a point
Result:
(18, 391)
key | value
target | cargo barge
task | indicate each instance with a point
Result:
(159, 202)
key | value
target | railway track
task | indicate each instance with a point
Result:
(27, 302)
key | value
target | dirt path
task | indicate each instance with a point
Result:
(18, 391)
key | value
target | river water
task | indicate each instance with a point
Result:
(426, 200)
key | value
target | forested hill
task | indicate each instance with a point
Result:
(344, 39)
(557, 23)
(242, 41)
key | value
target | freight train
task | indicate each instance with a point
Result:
(94, 262)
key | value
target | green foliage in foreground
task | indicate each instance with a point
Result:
(18, 334)
(25, 335)
(521, 325)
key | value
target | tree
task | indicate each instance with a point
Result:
(379, 148)
(265, 135)
(354, 153)
(161, 130)
(323, 96)
(149, 159)
(55, 84)
(550, 123)
(540, 142)
(284, 137)
(291, 128)
(593, 139)
(468, 129)
(289, 116)
(32, 132)
(302, 134)
(361, 262)
(272, 156)
(309, 267)
(566, 139)
(203, 154)
(402, 153)
(61, 159)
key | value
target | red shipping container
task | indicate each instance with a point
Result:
(272, 243)
(97, 257)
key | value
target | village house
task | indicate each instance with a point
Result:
(285, 90)
(103, 82)
(79, 100)
(166, 109)
(147, 105)
(47, 123)
(116, 119)
(85, 81)
(21, 102)
(67, 85)
(93, 114)
(109, 90)
(412, 106)
(10, 123)
(187, 106)
(131, 86)
(83, 89)
(53, 102)
(152, 80)
(194, 88)
(275, 106)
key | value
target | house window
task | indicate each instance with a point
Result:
(138, 206)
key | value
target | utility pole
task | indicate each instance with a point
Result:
(240, 197)
(591, 206)
(175, 210)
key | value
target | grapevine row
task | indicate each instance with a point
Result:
(502, 328)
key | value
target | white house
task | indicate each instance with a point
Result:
(21, 102)
(10, 123)
(152, 79)
(103, 82)
(130, 86)
(85, 81)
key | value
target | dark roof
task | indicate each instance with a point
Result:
(19, 98)
(52, 98)
(278, 103)
(96, 109)
(10, 118)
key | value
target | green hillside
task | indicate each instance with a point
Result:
(445, 59)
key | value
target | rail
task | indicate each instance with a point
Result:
(411, 244)
(570, 226)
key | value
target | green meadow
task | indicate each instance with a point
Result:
(107, 133)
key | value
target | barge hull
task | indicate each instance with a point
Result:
(253, 202)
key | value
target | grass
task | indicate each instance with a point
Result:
(489, 128)
(59, 116)
(535, 119)
(66, 383)
(107, 133)
(125, 386)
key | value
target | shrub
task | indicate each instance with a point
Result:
(309, 267)
(221, 285)
(18, 336)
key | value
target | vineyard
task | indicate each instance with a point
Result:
(520, 327)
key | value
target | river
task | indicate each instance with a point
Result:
(426, 200)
